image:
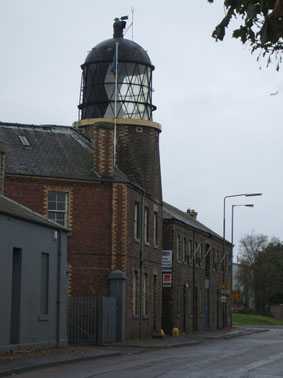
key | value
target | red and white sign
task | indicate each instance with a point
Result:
(167, 280)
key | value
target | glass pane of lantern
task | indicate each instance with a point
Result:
(110, 76)
(109, 113)
(110, 91)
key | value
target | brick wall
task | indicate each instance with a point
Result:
(180, 309)
(138, 156)
(101, 219)
(277, 311)
(90, 221)
(151, 267)
(103, 137)
(137, 153)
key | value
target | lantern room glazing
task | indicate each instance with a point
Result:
(133, 94)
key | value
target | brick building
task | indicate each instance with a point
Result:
(196, 274)
(101, 179)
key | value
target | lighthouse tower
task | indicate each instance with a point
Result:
(116, 111)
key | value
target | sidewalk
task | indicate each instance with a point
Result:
(27, 360)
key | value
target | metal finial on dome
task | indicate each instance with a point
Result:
(118, 26)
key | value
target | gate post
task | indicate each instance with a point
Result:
(118, 290)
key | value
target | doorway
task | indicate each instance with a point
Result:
(16, 296)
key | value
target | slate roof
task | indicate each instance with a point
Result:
(171, 212)
(53, 151)
(12, 208)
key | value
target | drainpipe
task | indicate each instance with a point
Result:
(194, 294)
(142, 265)
(58, 309)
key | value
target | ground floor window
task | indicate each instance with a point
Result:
(145, 294)
(135, 293)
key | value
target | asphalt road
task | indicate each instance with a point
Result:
(259, 355)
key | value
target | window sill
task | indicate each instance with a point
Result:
(137, 240)
(145, 317)
(135, 316)
(43, 318)
(155, 246)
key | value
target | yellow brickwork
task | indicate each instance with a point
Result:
(103, 158)
(119, 226)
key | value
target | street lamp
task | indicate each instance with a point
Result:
(223, 258)
(232, 240)
(235, 195)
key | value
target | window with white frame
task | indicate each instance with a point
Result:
(146, 225)
(155, 229)
(145, 294)
(57, 207)
(197, 253)
(137, 221)
(184, 250)
(190, 251)
(201, 253)
(178, 248)
(135, 293)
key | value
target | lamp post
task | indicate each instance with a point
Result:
(234, 195)
(223, 258)
(232, 242)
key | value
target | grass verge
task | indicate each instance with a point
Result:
(255, 320)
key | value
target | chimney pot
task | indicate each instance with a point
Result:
(192, 213)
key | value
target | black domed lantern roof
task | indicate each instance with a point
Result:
(117, 79)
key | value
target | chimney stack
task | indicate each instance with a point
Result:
(192, 213)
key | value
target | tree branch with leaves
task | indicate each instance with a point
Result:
(261, 26)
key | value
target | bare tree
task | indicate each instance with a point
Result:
(250, 248)
(260, 272)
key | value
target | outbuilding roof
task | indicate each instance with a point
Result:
(14, 209)
(48, 151)
(171, 212)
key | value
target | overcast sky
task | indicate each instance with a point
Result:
(222, 132)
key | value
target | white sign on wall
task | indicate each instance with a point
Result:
(166, 261)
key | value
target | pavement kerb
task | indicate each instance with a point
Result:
(140, 348)
(198, 340)
(57, 363)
